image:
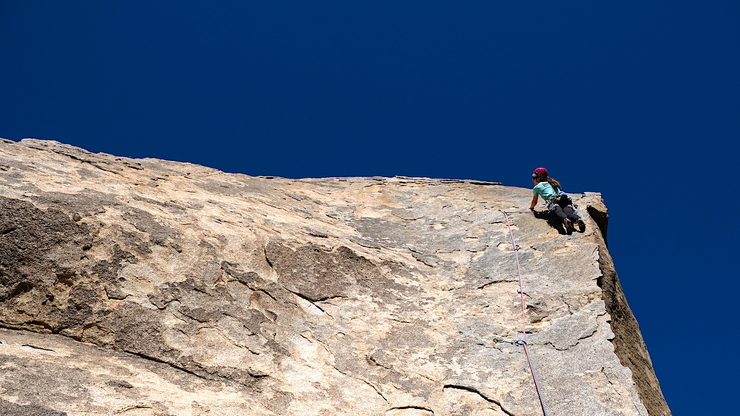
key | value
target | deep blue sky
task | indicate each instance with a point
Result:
(638, 101)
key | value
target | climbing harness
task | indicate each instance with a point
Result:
(523, 340)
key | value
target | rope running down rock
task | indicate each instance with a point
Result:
(523, 341)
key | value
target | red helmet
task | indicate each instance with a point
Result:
(540, 172)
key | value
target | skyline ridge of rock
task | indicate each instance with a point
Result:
(153, 287)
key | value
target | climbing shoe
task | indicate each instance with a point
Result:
(568, 225)
(581, 225)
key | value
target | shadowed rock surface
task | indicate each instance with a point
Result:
(149, 287)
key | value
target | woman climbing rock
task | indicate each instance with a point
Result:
(557, 201)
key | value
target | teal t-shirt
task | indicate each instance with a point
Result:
(545, 190)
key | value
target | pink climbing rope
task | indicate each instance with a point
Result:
(523, 341)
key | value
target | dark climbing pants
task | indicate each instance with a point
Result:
(564, 209)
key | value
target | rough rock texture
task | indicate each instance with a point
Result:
(148, 287)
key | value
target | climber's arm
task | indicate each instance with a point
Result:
(534, 202)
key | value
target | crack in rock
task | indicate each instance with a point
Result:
(129, 408)
(481, 395)
(392, 410)
(372, 386)
(37, 348)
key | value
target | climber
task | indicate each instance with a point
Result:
(557, 201)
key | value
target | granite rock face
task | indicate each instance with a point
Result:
(149, 287)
